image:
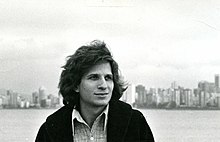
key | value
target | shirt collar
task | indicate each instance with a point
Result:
(76, 115)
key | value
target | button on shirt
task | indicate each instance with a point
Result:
(83, 133)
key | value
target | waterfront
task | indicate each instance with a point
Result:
(167, 125)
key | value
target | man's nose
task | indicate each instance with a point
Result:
(102, 83)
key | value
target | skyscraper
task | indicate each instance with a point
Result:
(12, 98)
(217, 81)
(35, 98)
(141, 94)
(42, 96)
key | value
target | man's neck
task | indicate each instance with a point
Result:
(89, 114)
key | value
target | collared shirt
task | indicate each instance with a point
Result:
(82, 131)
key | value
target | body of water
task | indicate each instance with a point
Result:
(184, 125)
(166, 125)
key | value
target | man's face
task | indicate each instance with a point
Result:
(96, 86)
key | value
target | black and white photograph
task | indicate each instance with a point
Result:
(109, 71)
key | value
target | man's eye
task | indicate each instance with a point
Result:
(93, 77)
(109, 77)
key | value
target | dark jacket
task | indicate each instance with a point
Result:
(124, 125)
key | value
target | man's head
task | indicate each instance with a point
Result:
(80, 63)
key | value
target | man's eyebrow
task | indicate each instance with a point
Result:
(99, 74)
(91, 74)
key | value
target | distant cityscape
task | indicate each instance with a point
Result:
(205, 96)
(38, 99)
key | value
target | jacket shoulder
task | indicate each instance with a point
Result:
(57, 126)
(58, 115)
(121, 105)
(126, 107)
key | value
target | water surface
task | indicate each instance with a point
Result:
(167, 125)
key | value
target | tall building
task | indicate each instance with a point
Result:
(3, 98)
(159, 96)
(218, 101)
(196, 97)
(206, 87)
(202, 99)
(189, 97)
(12, 98)
(183, 98)
(166, 96)
(177, 97)
(42, 96)
(35, 98)
(217, 81)
(141, 94)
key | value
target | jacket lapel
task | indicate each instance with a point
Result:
(118, 120)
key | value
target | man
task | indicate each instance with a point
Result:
(91, 88)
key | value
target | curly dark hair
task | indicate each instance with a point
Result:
(79, 63)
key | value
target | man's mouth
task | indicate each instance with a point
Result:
(101, 94)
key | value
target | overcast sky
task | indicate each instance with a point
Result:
(155, 42)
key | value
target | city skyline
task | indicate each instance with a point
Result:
(205, 96)
(172, 84)
(154, 42)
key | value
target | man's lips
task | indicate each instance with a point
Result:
(101, 94)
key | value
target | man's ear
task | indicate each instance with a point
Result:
(77, 89)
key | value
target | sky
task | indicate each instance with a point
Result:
(155, 42)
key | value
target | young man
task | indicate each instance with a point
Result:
(91, 88)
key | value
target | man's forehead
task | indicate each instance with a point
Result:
(101, 68)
